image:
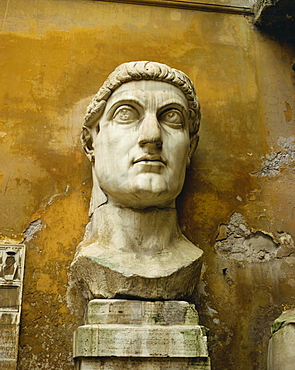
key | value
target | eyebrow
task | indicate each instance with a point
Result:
(126, 101)
(174, 102)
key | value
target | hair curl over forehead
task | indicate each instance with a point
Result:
(137, 71)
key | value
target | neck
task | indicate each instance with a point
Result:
(148, 231)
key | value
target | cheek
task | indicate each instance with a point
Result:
(179, 147)
(116, 141)
(103, 156)
(105, 145)
(111, 154)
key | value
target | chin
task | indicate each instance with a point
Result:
(144, 197)
(143, 191)
(143, 201)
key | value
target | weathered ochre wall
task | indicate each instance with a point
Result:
(54, 56)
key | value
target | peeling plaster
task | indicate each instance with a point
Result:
(237, 241)
(277, 160)
(36, 225)
(32, 229)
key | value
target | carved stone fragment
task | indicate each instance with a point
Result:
(11, 280)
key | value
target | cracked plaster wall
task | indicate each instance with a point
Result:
(238, 203)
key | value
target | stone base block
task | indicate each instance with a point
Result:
(125, 334)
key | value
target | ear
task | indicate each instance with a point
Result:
(87, 142)
(193, 145)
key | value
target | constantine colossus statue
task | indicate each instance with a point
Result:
(139, 134)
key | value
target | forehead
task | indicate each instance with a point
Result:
(146, 91)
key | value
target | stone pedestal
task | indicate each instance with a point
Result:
(130, 334)
(281, 349)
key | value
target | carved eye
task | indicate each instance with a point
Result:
(125, 114)
(172, 117)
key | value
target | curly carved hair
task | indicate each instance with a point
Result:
(136, 71)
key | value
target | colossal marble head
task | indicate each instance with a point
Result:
(140, 131)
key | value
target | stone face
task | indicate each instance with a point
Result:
(143, 144)
(142, 329)
(139, 133)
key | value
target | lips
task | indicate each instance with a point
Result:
(150, 159)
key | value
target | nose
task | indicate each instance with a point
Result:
(150, 132)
